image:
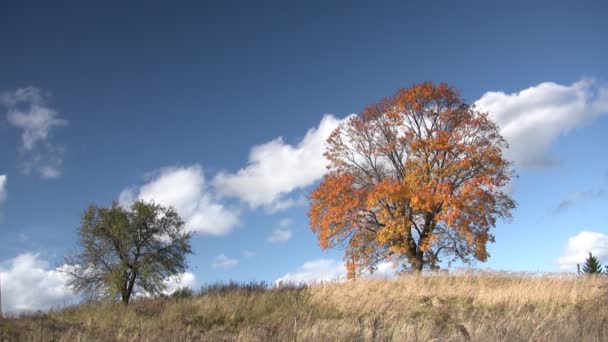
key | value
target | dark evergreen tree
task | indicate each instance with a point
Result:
(592, 265)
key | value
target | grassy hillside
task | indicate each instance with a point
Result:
(472, 307)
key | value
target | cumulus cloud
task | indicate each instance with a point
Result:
(179, 281)
(184, 188)
(276, 168)
(579, 247)
(282, 232)
(331, 270)
(534, 118)
(29, 284)
(223, 262)
(28, 111)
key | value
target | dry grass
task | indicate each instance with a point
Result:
(484, 307)
(466, 307)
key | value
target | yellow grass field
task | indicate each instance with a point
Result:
(441, 307)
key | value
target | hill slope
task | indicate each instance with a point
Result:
(471, 307)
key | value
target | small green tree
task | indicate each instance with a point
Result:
(126, 250)
(592, 265)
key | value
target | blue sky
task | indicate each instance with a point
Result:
(227, 104)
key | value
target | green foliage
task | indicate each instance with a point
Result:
(592, 265)
(128, 250)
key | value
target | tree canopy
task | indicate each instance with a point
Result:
(126, 250)
(417, 178)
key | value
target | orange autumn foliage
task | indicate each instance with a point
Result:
(417, 178)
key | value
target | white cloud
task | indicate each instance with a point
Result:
(28, 111)
(534, 118)
(276, 168)
(179, 281)
(22, 95)
(385, 270)
(184, 188)
(36, 123)
(332, 270)
(224, 262)
(29, 284)
(281, 233)
(580, 245)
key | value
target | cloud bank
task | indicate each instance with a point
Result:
(184, 189)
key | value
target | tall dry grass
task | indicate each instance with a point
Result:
(478, 307)
(461, 307)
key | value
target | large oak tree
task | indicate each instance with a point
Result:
(125, 250)
(417, 178)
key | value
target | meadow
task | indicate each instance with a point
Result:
(478, 306)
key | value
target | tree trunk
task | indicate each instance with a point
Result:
(123, 291)
(415, 256)
(131, 284)
(418, 262)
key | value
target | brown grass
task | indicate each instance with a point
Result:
(465, 307)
